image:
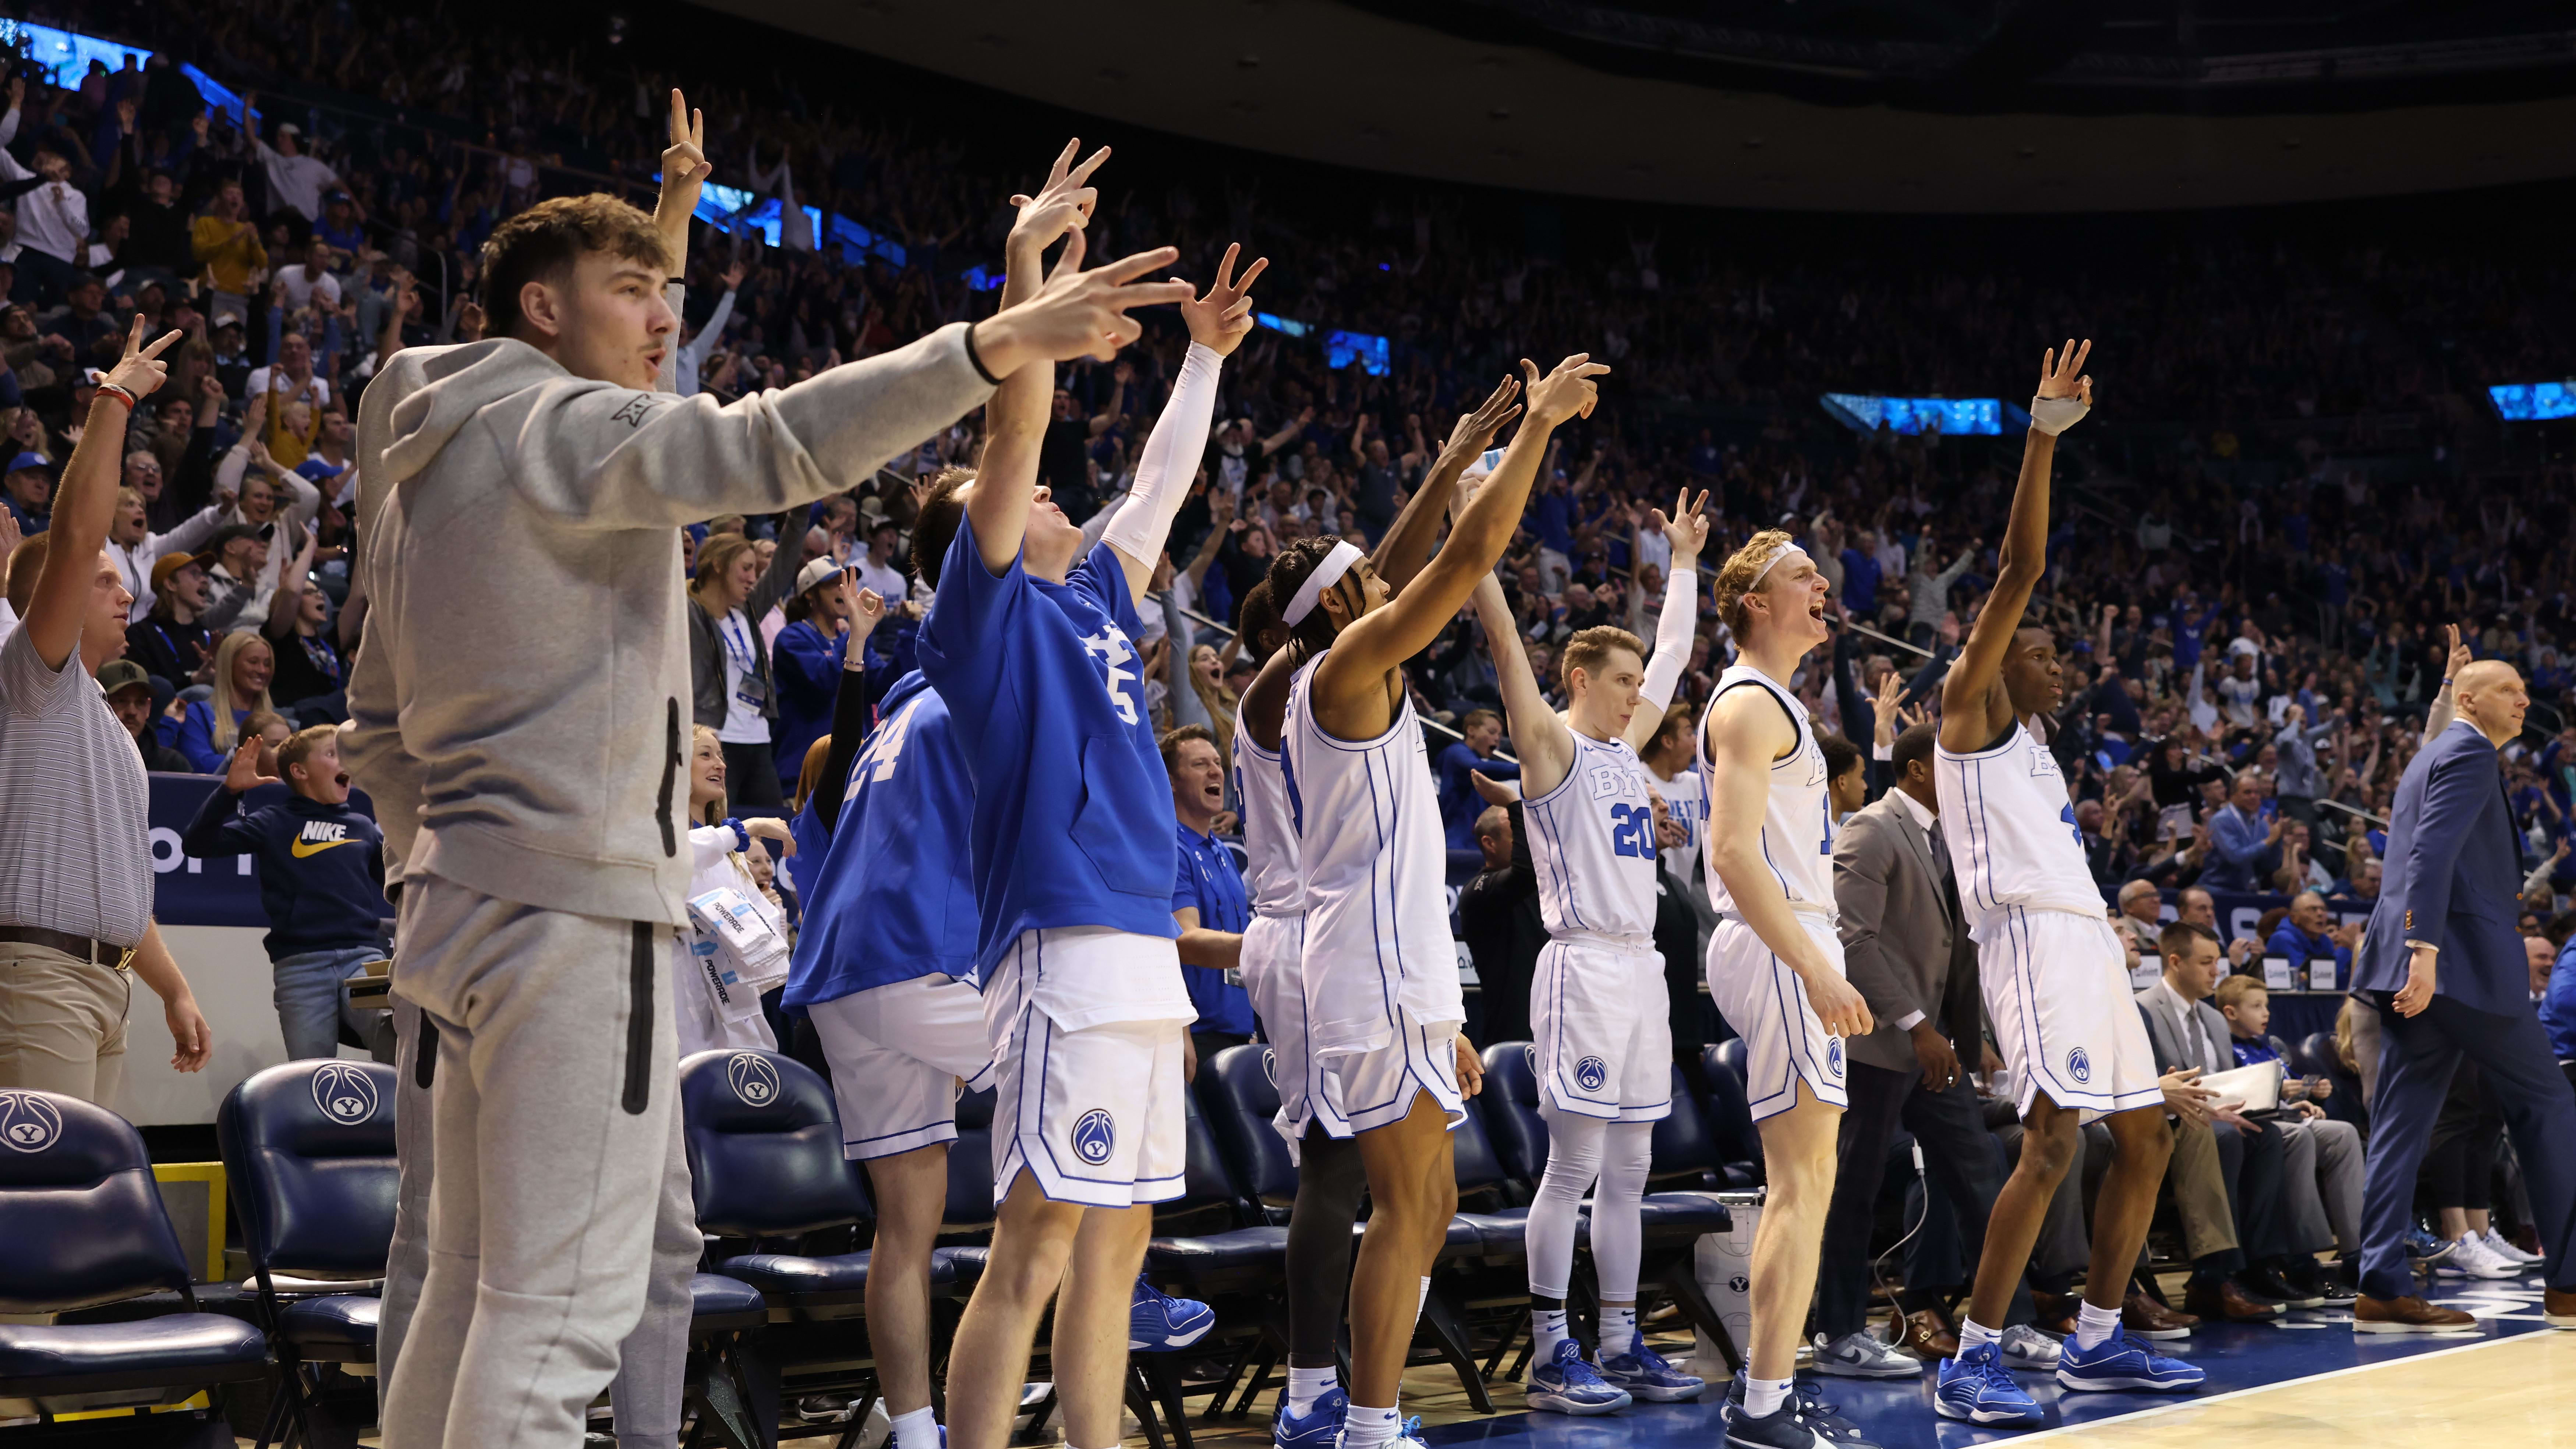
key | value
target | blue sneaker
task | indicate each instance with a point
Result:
(1642, 1374)
(2423, 1249)
(1822, 1419)
(1791, 1426)
(2122, 1362)
(1319, 1429)
(1157, 1322)
(1565, 1384)
(1975, 1387)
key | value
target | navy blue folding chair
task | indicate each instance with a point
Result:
(1239, 1092)
(1730, 1117)
(84, 1226)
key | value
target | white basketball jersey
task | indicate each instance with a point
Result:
(2012, 831)
(1686, 800)
(1375, 864)
(1797, 823)
(1269, 830)
(1593, 841)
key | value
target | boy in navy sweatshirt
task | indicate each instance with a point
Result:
(321, 879)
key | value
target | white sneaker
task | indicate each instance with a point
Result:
(2471, 1258)
(1863, 1355)
(2025, 1347)
(2501, 1247)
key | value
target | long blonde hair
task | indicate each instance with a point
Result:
(1220, 701)
(226, 735)
(714, 814)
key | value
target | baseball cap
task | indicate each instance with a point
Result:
(25, 461)
(816, 573)
(214, 549)
(168, 564)
(122, 674)
(318, 468)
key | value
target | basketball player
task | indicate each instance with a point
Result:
(1329, 1174)
(1775, 966)
(538, 831)
(1598, 1002)
(1031, 646)
(2055, 976)
(1382, 997)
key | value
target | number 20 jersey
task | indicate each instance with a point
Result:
(2012, 832)
(1592, 839)
(1797, 821)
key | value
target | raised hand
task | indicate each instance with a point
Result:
(2060, 372)
(684, 166)
(769, 827)
(1475, 431)
(141, 370)
(1077, 313)
(1686, 529)
(1221, 320)
(243, 774)
(1567, 392)
(868, 612)
(1063, 204)
(2457, 657)
(733, 277)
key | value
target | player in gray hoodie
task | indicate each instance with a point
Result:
(517, 712)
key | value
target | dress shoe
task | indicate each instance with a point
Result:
(2413, 1315)
(1928, 1338)
(2269, 1282)
(2558, 1307)
(2054, 1312)
(2147, 1318)
(2224, 1299)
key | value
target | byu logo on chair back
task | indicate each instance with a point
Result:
(754, 1079)
(344, 1093)
(28, 1123)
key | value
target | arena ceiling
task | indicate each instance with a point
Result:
(1832, 105)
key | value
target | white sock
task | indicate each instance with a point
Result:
(1421, 1298)
(1618, 1329)
(1305, 1386)
(1547, 1329)
(1367, 1427)
(2093, 1324)
(1763, 1397)
(1972, 1333)
(917, 1430)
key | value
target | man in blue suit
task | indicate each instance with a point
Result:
(2443, 962)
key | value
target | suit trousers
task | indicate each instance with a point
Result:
(1962, 1159)
(2065, 1246)
(2417, 1057)
(2199, 1173)
(2262, 1227)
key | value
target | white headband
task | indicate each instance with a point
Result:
(1777, 554)
(1326, 574)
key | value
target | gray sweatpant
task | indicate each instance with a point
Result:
(553, 1084)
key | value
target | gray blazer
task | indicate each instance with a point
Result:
(1902, 947)
(2163, 1008)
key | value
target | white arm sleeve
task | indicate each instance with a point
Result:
(1672, 638)
(1170, 461)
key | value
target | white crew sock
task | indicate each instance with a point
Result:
(2093, 1324)
(1763, 1397)
(917, 1430)
(1421, 1298)
(1972, 1333)
(1547, 1330)
(1370, 1427)
(1305, 1386)
(1618, 1329)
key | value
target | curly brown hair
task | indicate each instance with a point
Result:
(543, 242)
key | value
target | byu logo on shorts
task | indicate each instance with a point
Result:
(1270, 1065)
(345, 1093)
(1834, 1055)
(2079, 1066)
(1590, 1073)
(1095, 1136)
(1739, 1284)
(754, 1078)
(29, 1123)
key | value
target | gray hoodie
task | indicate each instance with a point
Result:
(519, 705)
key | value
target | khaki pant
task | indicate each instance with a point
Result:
(62, 1023)
(2200, 1191)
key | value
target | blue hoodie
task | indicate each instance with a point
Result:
(321, 867)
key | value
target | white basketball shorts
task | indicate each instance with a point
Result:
(1094, 1112)
(1273, 951)
(1766, 1003)
(2057, 989)
(1600, 1014)
(1362, 1091)
(898, 1052)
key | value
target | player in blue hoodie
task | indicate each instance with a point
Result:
(321, 879)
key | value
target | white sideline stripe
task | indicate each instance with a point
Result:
(2178, 1406)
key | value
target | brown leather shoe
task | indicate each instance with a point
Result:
(1927, 1337)
(2225, 1300)
(2147, 1318)
(2054, 1312)
(2413, 1315)
(2558, 1307)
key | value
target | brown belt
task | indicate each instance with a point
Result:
(87, 949)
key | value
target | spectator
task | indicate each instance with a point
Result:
(129, 693)
(296, 180)
(321, 881)
(53, 222)
(2362, 886)
(310, 674)
(2298, 784)
(2244, 850)
(238, 583)
(226, 243)
(830, 615)
(1480, 733)
(1209, 900)
(138, 551)
(1928, 592)
(1500, 923)
(878, 570)
(172, 642)
(27, 491)
(2139, 921)
(310, 281)
(205, 730)
(2310, 932)
(2558, 1009)
(75, 862)
(729, 667)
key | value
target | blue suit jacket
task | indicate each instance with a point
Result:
(2451, 878)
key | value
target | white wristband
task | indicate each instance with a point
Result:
(2054, 415)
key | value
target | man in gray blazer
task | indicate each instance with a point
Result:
(1907, 951)
(2321, 1163)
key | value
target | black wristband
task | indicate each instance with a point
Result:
(976, 359)
(676, 281)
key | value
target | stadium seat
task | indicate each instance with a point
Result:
(1510, 1102)
(1730, 1054)
(1730, 1118)
(308, 1151)
(85, 1226)
(1241, 1098)
(2314, 1056)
